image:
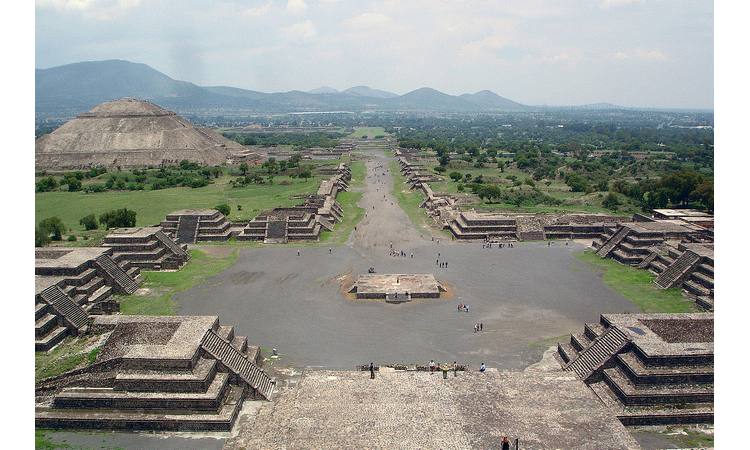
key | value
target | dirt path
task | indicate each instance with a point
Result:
(385, 223)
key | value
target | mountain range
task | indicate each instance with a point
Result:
(67, 90)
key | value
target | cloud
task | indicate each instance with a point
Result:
(617, 3)
(296, 6)
(94, 9)
(300, 31)
(640, 54)
(257, 11)
(367, 20)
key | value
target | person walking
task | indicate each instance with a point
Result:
(297, 252)
(505, 443)
(481, 326)
(372, 371)
(455, 369)
(432, 366)
(482, 367)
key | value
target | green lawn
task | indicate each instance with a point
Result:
(371, 132)
(69, 355)
(348, 201)
(408, 199)
(153, 206)
(162, 286)
(637, 286)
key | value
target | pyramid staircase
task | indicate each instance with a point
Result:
(238, 363)
(593, 357)
(116, 274)
(187, 229)
(613, 242)
(678, 271)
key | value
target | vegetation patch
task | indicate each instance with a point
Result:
(409, 200)
(637, 286)
(71, 354)
(156, 296)
(348, 200)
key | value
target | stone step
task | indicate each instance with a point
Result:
(55, 336)
(594, 330)
(108, 398)
(631, 394)
(240, 343)
(197, 380)
(182, 420)
(607, 397)
(44, 324)
(677, 271)
(90, 287)
(101, 294)
(696, 413)
(226, 332)
(580, 341)
(82, 278)
(695, 288)
(639, 373)
(567, 352)
(703, 279)
(41, 309)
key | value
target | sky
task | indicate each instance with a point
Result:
(648, 53)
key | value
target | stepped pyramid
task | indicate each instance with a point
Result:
(132, 133)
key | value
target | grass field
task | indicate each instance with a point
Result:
(637, 286)
(409, 200)
(74, 353)
(162, 286)
(153, 206)
(370, 132)
(348, 201)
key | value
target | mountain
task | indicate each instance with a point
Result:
(323, 90)
(65, 91)
(366, 91)
(490, 100)
(430, 99)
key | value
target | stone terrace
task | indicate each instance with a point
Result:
(648, 368)
(400, 409)
(72, 283)
(146, 247)
(397, 287)
(177, 373)
(686, 265)
(189, 226)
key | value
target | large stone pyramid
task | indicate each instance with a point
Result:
(132, 133)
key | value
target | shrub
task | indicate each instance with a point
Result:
(611, 201)
(455, 176)
(53, 227)
(96, 187)
(46, 184)
(89, 222)
(74, 185)
(118, 218)
(41, 238)
(224, 209)
(439, 169)
(72, 238)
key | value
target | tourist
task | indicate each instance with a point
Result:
(505, 443)
(455, 369)
(437, 261)
(446, 264)
(481, 326)
(482, 367)
(330, 250)
(476, 327)
(412, 255)
(372, 371)
(297, 252)
(432, 366)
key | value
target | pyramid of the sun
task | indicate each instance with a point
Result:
(131, 133)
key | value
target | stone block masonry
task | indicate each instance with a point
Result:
(647, 368)
(176, 373)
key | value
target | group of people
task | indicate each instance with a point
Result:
(488, 244)
(463, 307)
(479, 326)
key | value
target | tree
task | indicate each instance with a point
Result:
(52, 227)
(306, 173)
(118, 218)
(611, 201)
(46, 184)
(244, 168)
(41, 238)
(444, 160)
(455, 176)
(74, 185)
(89, 222)
(224, 209)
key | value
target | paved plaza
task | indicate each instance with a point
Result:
(406, 410)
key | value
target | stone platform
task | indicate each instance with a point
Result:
(648, 368)
(397, 286)
(399, 409)
(172, 373)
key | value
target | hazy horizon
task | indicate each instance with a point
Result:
(636, 53)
